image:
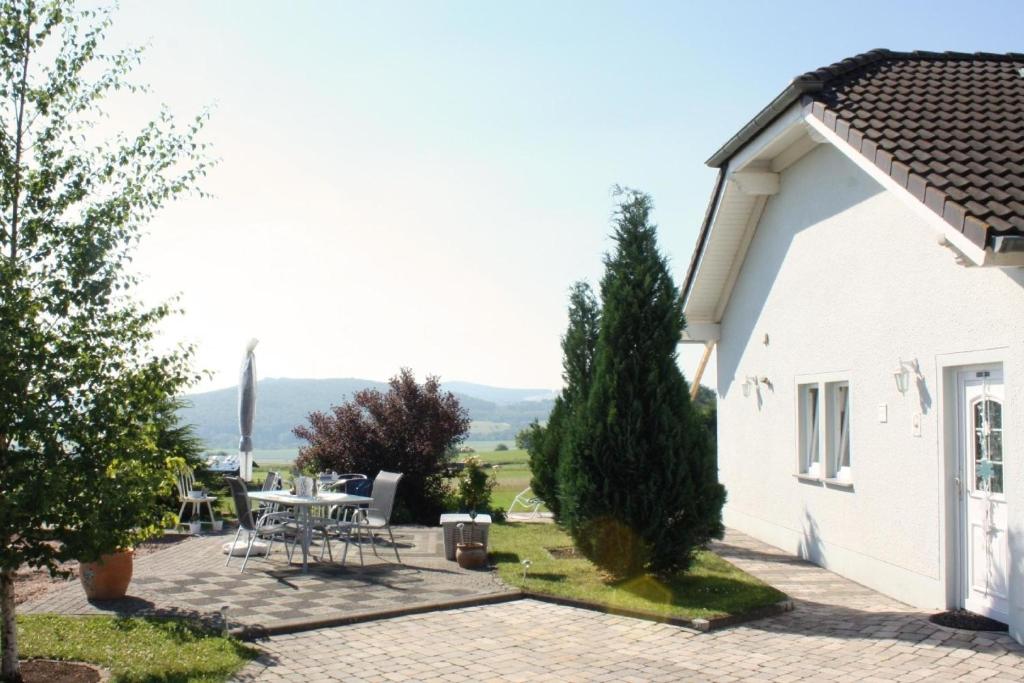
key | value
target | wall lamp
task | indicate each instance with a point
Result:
(902, 375)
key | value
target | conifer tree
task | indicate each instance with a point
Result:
(640, 487)
(549, 443)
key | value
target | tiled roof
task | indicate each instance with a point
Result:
(947, 126)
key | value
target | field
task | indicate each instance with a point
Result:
(512, 470)
(282, 458)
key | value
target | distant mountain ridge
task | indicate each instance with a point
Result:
(284, 403)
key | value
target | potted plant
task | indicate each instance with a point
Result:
(195, 525)
(470, 554)
(126, 505)
(104, 547)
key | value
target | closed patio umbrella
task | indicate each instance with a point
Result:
(246, 410)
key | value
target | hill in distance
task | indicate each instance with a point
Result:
(282, 404)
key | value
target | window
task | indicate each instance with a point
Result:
(824, 438)
(988, 446)
(839, 430)
(810, 439)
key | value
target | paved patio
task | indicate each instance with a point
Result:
(839, 631)
(190, 578)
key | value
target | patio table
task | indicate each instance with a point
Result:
(303, 510)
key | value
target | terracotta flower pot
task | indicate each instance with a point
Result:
(471, 555)
(107, 579)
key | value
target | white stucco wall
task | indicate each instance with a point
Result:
(844, 278)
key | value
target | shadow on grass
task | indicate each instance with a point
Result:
(180, 630)
(550, 577)
(499, 557)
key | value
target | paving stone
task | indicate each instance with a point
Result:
(189, 578)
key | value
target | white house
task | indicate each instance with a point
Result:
(860, 276)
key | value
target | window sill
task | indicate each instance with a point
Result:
(841, 485)
(808, 479)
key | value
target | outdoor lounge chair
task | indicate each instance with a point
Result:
(531, 504)
(271, 526)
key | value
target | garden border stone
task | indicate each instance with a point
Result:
(701, 625)
(256, 632)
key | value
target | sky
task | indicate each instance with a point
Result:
(419, 183)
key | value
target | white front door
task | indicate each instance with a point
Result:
(984, 550)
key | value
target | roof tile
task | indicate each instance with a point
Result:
(946, 125)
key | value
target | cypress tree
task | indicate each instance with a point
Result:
(548, 443)
(639, 483)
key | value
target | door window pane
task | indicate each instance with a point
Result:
(988, 446)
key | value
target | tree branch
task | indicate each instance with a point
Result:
(19, 133)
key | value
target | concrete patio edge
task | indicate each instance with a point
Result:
(251, 632)
(702, 625)
(255, 632)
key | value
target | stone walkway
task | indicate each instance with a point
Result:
(839, 631)
(189, 578)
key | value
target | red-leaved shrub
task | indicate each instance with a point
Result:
(411, 429)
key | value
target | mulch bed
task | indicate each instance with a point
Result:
(31, 583)
(969, 621)
(49, 671)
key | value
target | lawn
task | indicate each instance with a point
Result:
(712, 587)
(135, 650)
(511, 468)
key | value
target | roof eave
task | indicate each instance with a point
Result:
(800, 86)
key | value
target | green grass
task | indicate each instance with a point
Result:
(486, 429)
(512, 456)
(135, 650)
(511, 469)
(511, 481)
(712, 587)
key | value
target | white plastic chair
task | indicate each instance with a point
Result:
(188, 494)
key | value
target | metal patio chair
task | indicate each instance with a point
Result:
(378, 515)
(271, 526)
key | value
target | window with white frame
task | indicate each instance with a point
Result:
(824, 430)
(810, 430)
(838, 396)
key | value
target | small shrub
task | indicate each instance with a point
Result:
(501, 447)
(474, 488)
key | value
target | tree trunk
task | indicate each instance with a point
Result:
(10, 672)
